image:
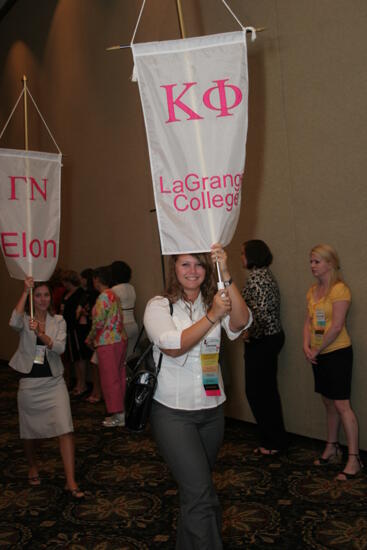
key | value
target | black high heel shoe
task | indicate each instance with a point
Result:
(348, 476)
(334, 458)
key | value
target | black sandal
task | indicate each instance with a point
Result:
(351, 476)
(334, 458)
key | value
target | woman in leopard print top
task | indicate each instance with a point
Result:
(263, 342)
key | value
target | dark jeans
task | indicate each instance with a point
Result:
(261, 366)
(189, 442)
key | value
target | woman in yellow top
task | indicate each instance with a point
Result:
(327, 346)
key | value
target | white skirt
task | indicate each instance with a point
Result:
(44, 408)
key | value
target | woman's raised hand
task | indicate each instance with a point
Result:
(28, 284)
(37, 326)
(33, 325)
(221, 305)
(219, 255)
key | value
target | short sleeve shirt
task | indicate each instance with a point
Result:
(321, 313)
(107, 320)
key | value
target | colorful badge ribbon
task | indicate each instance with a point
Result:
(210, 366)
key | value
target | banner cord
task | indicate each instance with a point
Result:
(223, 1)
(38, 111)
(44, 122)
(233, 14)
(137, 23)
(250, 29)
(11, 114)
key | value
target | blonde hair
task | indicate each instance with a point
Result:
(330, 255)
(174, 290)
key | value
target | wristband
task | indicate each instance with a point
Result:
(228, 283)
(210, 321)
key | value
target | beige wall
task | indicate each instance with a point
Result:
(305, 169)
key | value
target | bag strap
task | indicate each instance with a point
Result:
(161, 355)
(159, 364)
(138, 338)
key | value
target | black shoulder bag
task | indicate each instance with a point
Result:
(142, 375)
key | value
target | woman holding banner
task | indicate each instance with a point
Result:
(43, 399)
(187, 415)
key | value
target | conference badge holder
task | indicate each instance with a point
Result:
(40, 355)
(210, 365)
(320, 327)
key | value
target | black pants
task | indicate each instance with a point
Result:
(189, 442)
(261, 366)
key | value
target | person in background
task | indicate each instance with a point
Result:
(187, 414)
(58, 289)
(121, 275)
(107, 336)
(327, 346)
(43, 400)
(263, 342)
(84, 323)
(69, 304)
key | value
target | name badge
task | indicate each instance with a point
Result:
(320, 318)
(210, 366)
(40, 355)
(320, 324)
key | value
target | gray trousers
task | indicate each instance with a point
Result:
(189, 442)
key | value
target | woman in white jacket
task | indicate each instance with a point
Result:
(43, 399)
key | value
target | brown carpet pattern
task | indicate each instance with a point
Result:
(279, 502)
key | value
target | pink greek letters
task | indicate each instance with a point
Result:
(33, 185)
(222, 97)
(223, 106)
(172, 102)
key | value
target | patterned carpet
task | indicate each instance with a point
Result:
(280, 502)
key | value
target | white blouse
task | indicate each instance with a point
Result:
(180, 384)
(126, 293)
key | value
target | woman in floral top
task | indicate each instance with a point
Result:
(263, 342)
(108, 337)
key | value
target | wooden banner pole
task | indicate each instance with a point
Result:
(181, 19)
(25, 103)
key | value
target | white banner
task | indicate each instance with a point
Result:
(30, 212)
(194, 94)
